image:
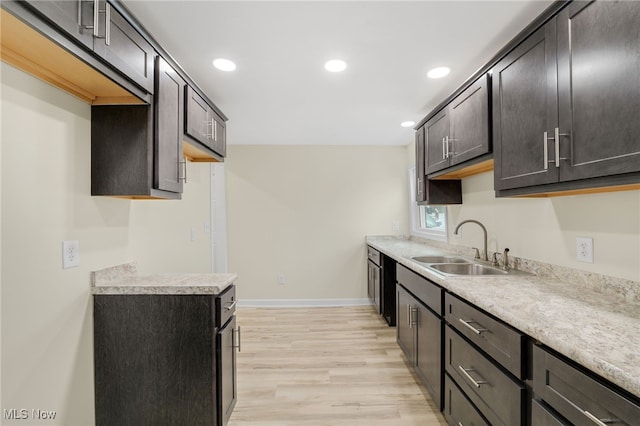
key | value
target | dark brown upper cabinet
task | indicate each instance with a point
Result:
(202, 124)
(565, 103)
(420, 175)
(107, 33)
(169, 164)
(460, 131)
(431, 191)
(136, 150)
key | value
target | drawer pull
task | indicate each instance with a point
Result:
(599, 422)
(472, 328)
(230, 306)
(465, 372)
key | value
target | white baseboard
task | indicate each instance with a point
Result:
(300, 303)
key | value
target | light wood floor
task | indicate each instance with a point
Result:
(325, 366)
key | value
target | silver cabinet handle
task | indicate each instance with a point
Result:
(545, 155)
(467, 323)
(107, 25)
(214, 124)
(599, 422)
(556, 146)
(230, 306)
(184, 176)
(409, 316)
(96, 14)
(419, 186)
(446, 144)
(239, 345)
(444, 151)
(465, 372)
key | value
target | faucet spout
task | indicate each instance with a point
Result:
(486, 256)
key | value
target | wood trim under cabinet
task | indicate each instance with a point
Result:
(26, 49)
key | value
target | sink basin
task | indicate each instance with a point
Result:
(439, 259)
(467, 269)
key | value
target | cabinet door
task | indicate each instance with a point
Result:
(73, 17)
(376, 288)
(436, 130)
(525, 109)
(469, 117)
(420, 179)
(218, 138)
(599, 81)
(124, 48)
(197, 123)
(169, 128)
(370, 281)
(404, 327)
(429, 351)
(227, 386)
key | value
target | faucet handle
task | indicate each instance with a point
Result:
(505, 258)
(477, 256)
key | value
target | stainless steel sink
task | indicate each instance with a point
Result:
(467, 269)
(439, 259)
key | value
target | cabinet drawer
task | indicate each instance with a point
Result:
(225, 305)
(458, 410)
(540, 416)
(373, 255)
(503, 343)
(498, 397)
(427, 292)
(576, 396)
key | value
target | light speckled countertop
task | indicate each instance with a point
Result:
(600, 332)
(124, 279)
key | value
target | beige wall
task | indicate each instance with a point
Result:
(47, 356)
(545, 229)
(304, 211)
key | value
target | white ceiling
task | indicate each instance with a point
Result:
(280, 92)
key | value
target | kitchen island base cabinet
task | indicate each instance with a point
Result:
(155, 360)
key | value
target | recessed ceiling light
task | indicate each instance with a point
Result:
(335, 65)
(408, 123)
(224, 64)
(438, 72)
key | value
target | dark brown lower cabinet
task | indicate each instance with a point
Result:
(161, 360)
(458, 410)
(496, 394)
(541, 416)
(419, 332)
(576, 396)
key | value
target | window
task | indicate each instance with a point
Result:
(426, 221)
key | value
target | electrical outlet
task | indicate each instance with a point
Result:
(395, 226)
(70, 254)
(281, 278)
(584, 247)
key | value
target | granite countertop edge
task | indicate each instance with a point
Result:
(124, 279)
(595, 330)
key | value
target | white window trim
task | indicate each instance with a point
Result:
(414, 215)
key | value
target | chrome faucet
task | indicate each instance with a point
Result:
(486, 257)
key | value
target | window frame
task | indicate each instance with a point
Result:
(416, 212)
